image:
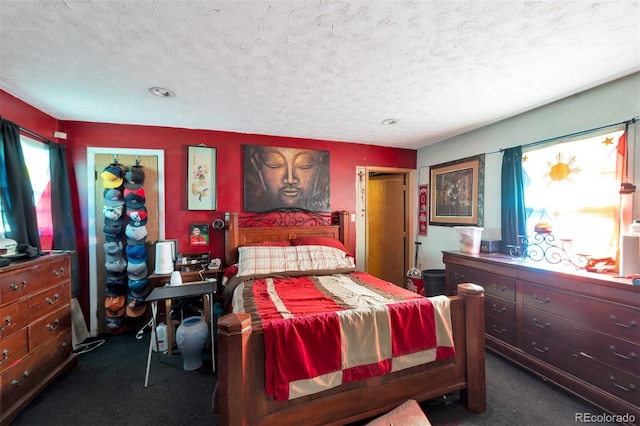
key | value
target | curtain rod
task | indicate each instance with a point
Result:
(35, 135)
(570, 135)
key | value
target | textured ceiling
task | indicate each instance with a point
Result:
(316, 69)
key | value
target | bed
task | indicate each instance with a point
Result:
(240, 397)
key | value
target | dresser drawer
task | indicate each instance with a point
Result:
(621, 320)
(501, 329)
(13, 348)
(32, 279)
(602, 376)
(27, 374)
(614, 381)
(500, 309)
(49, 327)
(14, 317)
(461, 274)
(495, 285)
(603, 347)
(554, 354)
(50, 300)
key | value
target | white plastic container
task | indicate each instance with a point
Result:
(162, 341)
(470, 237)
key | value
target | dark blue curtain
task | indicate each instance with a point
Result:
(15, 188)
(64, 233)
(512, 196)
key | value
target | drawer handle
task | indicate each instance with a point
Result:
(52, 301)
(7, 322)
(631, 324)
(544, 302)
(537, 324)
(500, 289)
(16, 383)
(495, 308)
(5, 356)
(630, 388)
(546, 349)
(16, 287)
(53, 327)
(631, 355)
(498, 331)
(57, 273)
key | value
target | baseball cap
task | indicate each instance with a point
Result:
(113, 197)
(138, 216)
(114, 306)
(116, 283)
(112, 212)
(136, 232)
(135, 306)
(112, 232)
(134, 178)
(139, 287)
(112, 251)
(137, 271)
(137, 254)
(117, 266)
(115, 325)
(140, 242)
(134, 198)
(112, 176)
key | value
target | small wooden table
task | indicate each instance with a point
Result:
(171, 292)
(188, 278)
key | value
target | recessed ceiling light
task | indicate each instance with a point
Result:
(389, 121)
(162, 92)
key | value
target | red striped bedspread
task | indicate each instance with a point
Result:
(322, 331)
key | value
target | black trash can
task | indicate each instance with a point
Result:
(433, 280)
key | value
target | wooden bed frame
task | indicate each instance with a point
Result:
(239, 397)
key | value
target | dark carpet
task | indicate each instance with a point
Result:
(107, 388)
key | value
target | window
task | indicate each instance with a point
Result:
(572, 189)
(36, 157)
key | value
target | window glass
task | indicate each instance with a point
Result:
(571, 189)
(36, 157)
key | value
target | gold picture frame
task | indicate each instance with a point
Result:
(201, 178)
(457, 192)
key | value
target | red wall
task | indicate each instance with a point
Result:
(344, 159)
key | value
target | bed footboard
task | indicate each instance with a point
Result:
(239, 397)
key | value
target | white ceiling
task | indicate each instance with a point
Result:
(319, 69)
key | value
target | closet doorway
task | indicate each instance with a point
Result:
(387, 222)
(152, 162)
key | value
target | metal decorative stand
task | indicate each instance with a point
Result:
(543, 246)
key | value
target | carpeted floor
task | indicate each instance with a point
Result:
(107, 388)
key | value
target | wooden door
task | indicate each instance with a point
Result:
(150, 167)
(386, 227)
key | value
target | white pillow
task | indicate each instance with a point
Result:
(269, 259)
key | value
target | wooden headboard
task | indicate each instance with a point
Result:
(247, 228)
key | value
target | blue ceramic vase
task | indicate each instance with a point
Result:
(191, 337)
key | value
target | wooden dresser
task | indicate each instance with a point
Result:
(35, 329)
(577, 329)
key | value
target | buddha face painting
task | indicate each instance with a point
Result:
(278, 177)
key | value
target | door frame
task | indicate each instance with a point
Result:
(91, 213)
(361, 216)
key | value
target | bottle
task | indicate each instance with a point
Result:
(634, 228)
(162, 342)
